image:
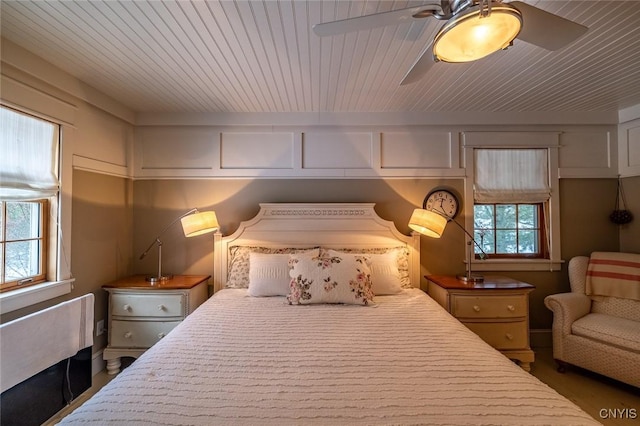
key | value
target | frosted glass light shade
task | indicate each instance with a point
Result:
(469, 36)
(199, 223)
(428, 223)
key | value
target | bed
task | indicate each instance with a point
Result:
(244, 357)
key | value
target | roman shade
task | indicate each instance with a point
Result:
(511, 176)
(28, 157)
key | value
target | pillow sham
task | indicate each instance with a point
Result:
(385, 276)
(268, 274)
(323, 278)
(239, 262)
(401, 255)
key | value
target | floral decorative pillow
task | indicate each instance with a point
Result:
(324, 278)
(401, 255)
(239, 262)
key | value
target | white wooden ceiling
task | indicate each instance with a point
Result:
(262, 56)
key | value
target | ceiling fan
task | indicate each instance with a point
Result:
(473, 29)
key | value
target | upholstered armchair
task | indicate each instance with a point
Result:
(595, 332)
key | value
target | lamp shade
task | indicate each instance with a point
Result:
(428, 223)
(199, 223)
(469, 35)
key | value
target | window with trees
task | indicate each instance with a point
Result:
(23, 242)
(29, 149)
(511, 194)
(510, 230)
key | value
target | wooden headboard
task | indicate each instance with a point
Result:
(335, 225)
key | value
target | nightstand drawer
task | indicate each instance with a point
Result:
(139, 334)
(489, 306)
(506, 335)
(496, 309)
(147, 305)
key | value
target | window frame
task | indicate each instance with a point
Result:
(542, 253)
(547, 140)
(44, 243)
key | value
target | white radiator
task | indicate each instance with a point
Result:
(37, 341)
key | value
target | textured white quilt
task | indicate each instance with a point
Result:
(260, 361)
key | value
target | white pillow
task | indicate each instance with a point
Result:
(385, 275)
(343, 278)
(268, 274)
(239, 265)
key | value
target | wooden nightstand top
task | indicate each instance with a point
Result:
(178, 282)
(491, 282)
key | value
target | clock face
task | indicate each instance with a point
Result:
(443, 202)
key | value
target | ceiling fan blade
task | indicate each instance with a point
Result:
(420, 67)
(394, 17)
(546, 30)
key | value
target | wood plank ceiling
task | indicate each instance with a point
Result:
(262, 56)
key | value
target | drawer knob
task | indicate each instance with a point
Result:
(127, 308)
(511, 308)
(160, 335)
(161, 307)
(476, 308)
(509, 336)
(128, 335)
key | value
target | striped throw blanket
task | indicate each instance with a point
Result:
(614, 274)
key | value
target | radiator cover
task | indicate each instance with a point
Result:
(38, 398)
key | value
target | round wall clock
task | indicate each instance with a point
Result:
(442, 201)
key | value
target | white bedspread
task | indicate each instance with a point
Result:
(259, 361)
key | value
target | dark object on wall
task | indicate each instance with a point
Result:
(38, 398)
(620, 215)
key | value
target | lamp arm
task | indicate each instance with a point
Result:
(156, 240)
(470, 236)
(450, 219)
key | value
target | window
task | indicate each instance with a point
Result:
(510, 230)
(511, 193)
(22, 243)
(28, 198)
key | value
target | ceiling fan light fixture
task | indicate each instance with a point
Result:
(469, 36)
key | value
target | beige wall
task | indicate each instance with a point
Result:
(158, 202)
(585, 225)
(630, 233)
(102, 236)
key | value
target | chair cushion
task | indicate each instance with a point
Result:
(620, 332)
(623, 308)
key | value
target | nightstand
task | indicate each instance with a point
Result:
(141, 313)
(496, 309)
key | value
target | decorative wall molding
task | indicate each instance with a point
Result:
(190, 152)
(356, 152)
(511, 139)
(629, 144)
(369, 119)
(28, 98)
(588, 154)
(97, 166)
(240, 150)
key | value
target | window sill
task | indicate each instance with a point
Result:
(21, 298)
(516, 265)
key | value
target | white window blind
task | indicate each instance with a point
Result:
(511, 176)
(28, 157)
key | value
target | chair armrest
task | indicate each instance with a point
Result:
(567, 308)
